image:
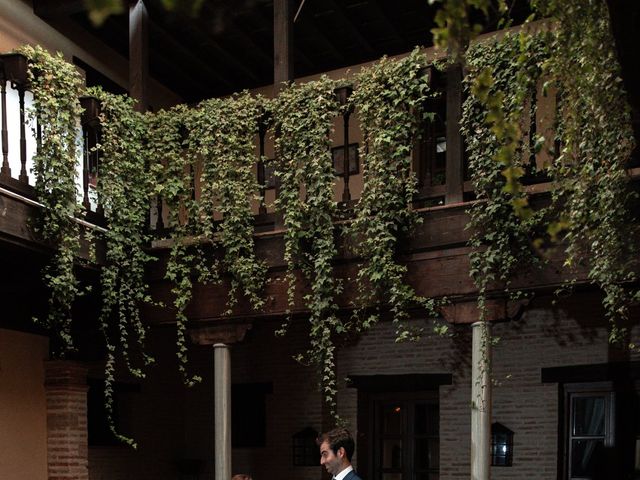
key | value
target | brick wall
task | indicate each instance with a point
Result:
(66, 394)
(178, 423)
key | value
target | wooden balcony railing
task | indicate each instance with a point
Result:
(21, 137)
(438, 158)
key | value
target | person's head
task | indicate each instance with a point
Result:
(336, 450)
(241, 476)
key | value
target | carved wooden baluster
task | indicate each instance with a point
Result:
(343, 94)
(532, 167)
(5, 170)
(262, 132)
(24, 177)
(96, 161)
(159, 219)
(85, 169)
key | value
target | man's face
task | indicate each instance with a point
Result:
(331, 461)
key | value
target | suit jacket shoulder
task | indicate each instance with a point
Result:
(352, 475)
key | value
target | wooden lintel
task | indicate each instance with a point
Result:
(138, 54)
(500, 309)
(226, 334)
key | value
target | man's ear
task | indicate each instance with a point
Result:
(341, 452)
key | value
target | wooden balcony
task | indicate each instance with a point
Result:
(20, 139)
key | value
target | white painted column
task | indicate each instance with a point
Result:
(222, 410)
(481, 402)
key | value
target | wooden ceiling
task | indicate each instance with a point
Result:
(228, 45)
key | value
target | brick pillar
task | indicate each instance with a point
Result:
(66, 392)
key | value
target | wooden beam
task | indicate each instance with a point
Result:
(455, 149)
(344, 15)
(138, 54)
(282, 42)
(167, 38)
(58, 8)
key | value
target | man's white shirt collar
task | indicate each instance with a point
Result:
(343, 473)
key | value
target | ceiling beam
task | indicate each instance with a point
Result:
(172, 44)
(344, 15)
(58, 8)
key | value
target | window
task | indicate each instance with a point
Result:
(601, 435)
(305, 449)
(248, 414)
(406, 439)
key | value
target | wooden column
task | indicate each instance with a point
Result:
(455, 149)
(282, 42)
(138, 53)
(480, 402)
(282, 61)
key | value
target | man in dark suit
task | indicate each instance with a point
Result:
(336, 450)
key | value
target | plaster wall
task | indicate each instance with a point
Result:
(23, 418)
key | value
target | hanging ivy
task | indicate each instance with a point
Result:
(503, 75)
(56, 85)
(222, 133)
(124, 189)
(176, 188)
(593, 200)
(389, 99)
(303, 119)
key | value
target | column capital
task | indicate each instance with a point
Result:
(219, 334)
(496, 310)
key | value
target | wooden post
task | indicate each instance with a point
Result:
(282, 59)
(5, 170)
(222, 410)
(282, 43)
(455, 149)
(138, 54)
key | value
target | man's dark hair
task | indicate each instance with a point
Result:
(339, 437)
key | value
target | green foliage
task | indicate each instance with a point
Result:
(124, 188)
(215, 139)
(303, 118)
(502, 76)
(593, 199)
(389, 99)
(221, 133)
(454, 29)
(176, 177)
(55, 85)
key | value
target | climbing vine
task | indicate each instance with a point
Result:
(221, 134)
(176, 188)
(56, 110)
(593, 199)
(503, 74)
(303, 119)
(389, 99)
(124, 189)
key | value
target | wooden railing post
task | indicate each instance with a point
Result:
(455, 149)
(343, 94)
(263, 126)
(24, 177)
(5, 170)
